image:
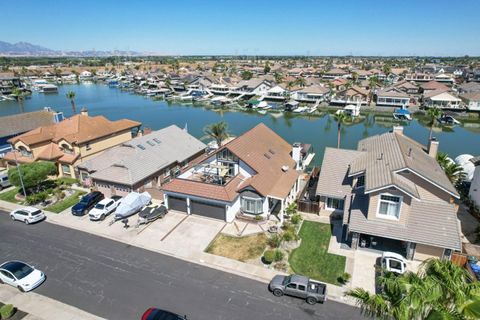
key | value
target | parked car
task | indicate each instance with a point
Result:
(103, 209)
(27, 215)
(4, 182)
(393, 262)
(20, 275)
(87, 202)
(158, 314)
(299, 286)
(117, 198)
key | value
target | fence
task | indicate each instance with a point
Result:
(308, 205)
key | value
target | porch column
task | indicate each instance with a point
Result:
(355, 239)
(281, 212)
(410, 250)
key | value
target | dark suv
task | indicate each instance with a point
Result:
(87, 202)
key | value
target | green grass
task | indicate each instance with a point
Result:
(312, 259)
(9, 196)
(65, 203)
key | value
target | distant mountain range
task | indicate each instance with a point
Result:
(26, 49)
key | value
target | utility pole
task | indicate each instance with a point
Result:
(19, 171)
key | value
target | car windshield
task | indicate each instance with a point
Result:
(36, 213)
(100, 206)
(18, 269)
(84, 200)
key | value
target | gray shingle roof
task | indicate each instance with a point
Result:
(23, 122)
(143, 156)
(430, 223)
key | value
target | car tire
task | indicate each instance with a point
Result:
(26, 221)
(84, 213)
(20, 289)
(13, 218)
(102, 217)
(311, 300)
(1, 281)
(277, 292)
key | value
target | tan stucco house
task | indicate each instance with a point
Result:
(71, 141)
(392, 195)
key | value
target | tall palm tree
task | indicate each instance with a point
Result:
(439, 290)
(20, 96)
(278, 77)
(454, 172)
(217, 131)
(340, 118)
(432, 114)
(71, 96)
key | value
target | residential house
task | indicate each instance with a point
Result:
(471, 100)
(148, 161)
(392, 97)
(253, 176)
(71, 141)
(407, 87)
(441, 99)
(251, 87)
(419, 77)
(276, 93)
(354, 95)
(433, 86)
(392, 195)
(312, 94)
(335, 73)
(469, 87)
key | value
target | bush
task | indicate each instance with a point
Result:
(344, 278)
(7, 311)
(66, 181)
(296, 218)
(277, 255)
(258, 218)
(274, 241)
(289, 236)
(37, 197)
(268, 256)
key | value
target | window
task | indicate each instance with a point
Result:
(167, 173)
(360, 182)
(389, 206)
(251, 205)
(292, 286)
(334, 204)
(24, 152)
(301, 287)
(66, 169)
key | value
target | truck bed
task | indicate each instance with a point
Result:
(316, 287)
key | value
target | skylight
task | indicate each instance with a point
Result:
(150, 143)
(156, 140)
(140, 146)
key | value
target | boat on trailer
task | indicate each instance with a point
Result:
(402, 114)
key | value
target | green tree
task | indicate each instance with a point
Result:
(340, 118)
(432, 114)
(246, 75)
(71, 96)
(217, 131)
(266, 68)
(33, 174)
(278, 77)
(301, 82)
(354, 76)
(19, 94)
(440, 290)
(386, 69)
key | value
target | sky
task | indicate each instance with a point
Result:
(245, 27)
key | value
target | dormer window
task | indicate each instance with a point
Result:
(24, 152)
(389, 206)
(65, 148)
(360, 182)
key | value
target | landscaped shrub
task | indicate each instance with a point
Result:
(269, 256)
(7, 311)
(289, 236)
(277, 255)
(37, 197)
(344, 278)
(66, 181)
(296, 219)
(291, 209)
(274, 241)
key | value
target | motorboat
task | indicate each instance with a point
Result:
(131, 204)
(402, 114)
(447, 118)
(151, 213)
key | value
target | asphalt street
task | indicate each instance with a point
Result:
(117, 281)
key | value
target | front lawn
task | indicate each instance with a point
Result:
(238, 248)
(65, 203)
(312, 259)
(9, 195)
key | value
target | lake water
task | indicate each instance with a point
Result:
(321, 132)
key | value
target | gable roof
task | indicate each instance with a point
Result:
(392, 92)
(434, 85)
(77, 129)
(23, 122)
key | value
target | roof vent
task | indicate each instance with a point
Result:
(409, 152)
(285, 168)
(267, 155)
(381, 156)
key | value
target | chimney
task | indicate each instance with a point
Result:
(296, 154)
(433, 148)
(398, 129)
(84, 111)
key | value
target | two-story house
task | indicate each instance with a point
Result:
(147, 161)
(392, 195)
(71, 141)
(253, 176)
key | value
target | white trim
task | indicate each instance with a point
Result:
(428, 180)
(392, 186)
(334, 209)
(384, 216)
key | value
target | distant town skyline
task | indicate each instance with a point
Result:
(312, 28)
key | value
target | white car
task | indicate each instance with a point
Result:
(20, 275)
(27, 215)
(394, 262)
(103, 209)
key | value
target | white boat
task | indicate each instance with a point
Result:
(49, 88)
(352, 110)
(301, 110)
(312, 109)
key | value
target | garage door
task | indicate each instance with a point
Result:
(179, 204)
(205, 209)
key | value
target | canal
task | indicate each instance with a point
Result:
(320, 131)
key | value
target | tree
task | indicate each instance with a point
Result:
(354, 76)
(340, 118)
(301, 82)
(432, 114)
(386, 69)
(278, 77)
(33, 174)
(71, 96)
(266, 68)
(439, 290)
(246, 75)
(217, 131)
(19, 94)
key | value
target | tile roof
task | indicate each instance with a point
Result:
(434, 85)
(76, 129)
(440, 217)
(23, 122)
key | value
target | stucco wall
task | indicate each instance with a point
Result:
(423, 252)
(102, 144)
(427, 190)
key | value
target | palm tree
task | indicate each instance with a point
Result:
(217, 131)
(439, 290)
(278, 77)
(454, 172)
(432, 114)
(443, 160)
(20, 96)
(340, 118)
(301, 82)
(71, 96)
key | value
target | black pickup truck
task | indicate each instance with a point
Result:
(299, 286)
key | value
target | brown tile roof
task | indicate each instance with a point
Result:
(76, 129)
(434, 85)
(51, 152)
(10, 157)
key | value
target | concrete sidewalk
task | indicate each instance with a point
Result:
(42, 308)
(155, 237)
